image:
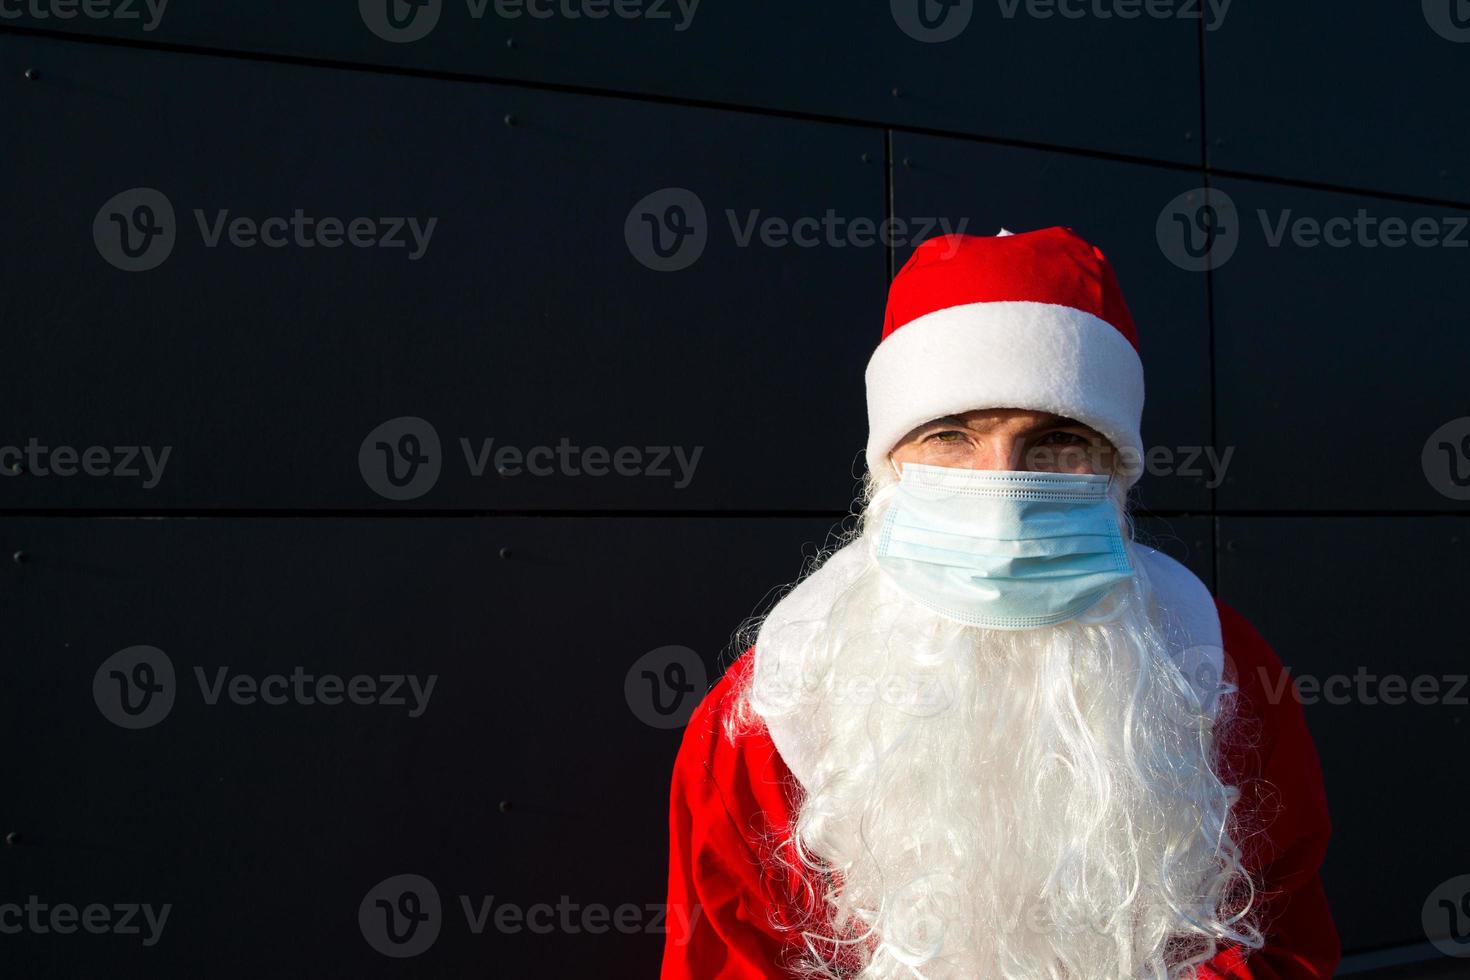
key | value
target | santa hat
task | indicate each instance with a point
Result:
(1033, 321)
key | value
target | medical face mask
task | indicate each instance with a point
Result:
(1000, 548)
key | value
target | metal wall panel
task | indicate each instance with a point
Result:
(537, 311)
(1340, 367)
(1390, 767)
(264, 826)
(1366, 96)
(1026, 70)
(980, 189)
(588, 285)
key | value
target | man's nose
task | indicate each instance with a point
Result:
(996, 453)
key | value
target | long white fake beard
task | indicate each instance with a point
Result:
(1020, 804)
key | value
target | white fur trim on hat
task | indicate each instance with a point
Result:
(1013, 354)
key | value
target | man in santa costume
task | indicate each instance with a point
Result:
(991, 735)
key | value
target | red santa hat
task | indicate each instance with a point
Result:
(1033, 321)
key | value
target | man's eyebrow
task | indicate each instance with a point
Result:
(1049, 420)
(1061, 421)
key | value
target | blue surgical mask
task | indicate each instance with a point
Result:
(1000, 548)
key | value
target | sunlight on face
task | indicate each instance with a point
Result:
(1007, 439)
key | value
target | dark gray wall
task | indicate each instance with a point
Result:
(714, 399)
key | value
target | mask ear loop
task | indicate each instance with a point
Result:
(1105, 610)
(1111, 606)
(881, 497)
(1126, 529)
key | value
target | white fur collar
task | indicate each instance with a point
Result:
(1194, 632)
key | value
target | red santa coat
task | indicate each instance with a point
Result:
(731, 803)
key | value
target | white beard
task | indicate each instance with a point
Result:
(1009, 804)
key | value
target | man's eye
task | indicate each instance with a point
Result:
(945, 435)
(1065, 439)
